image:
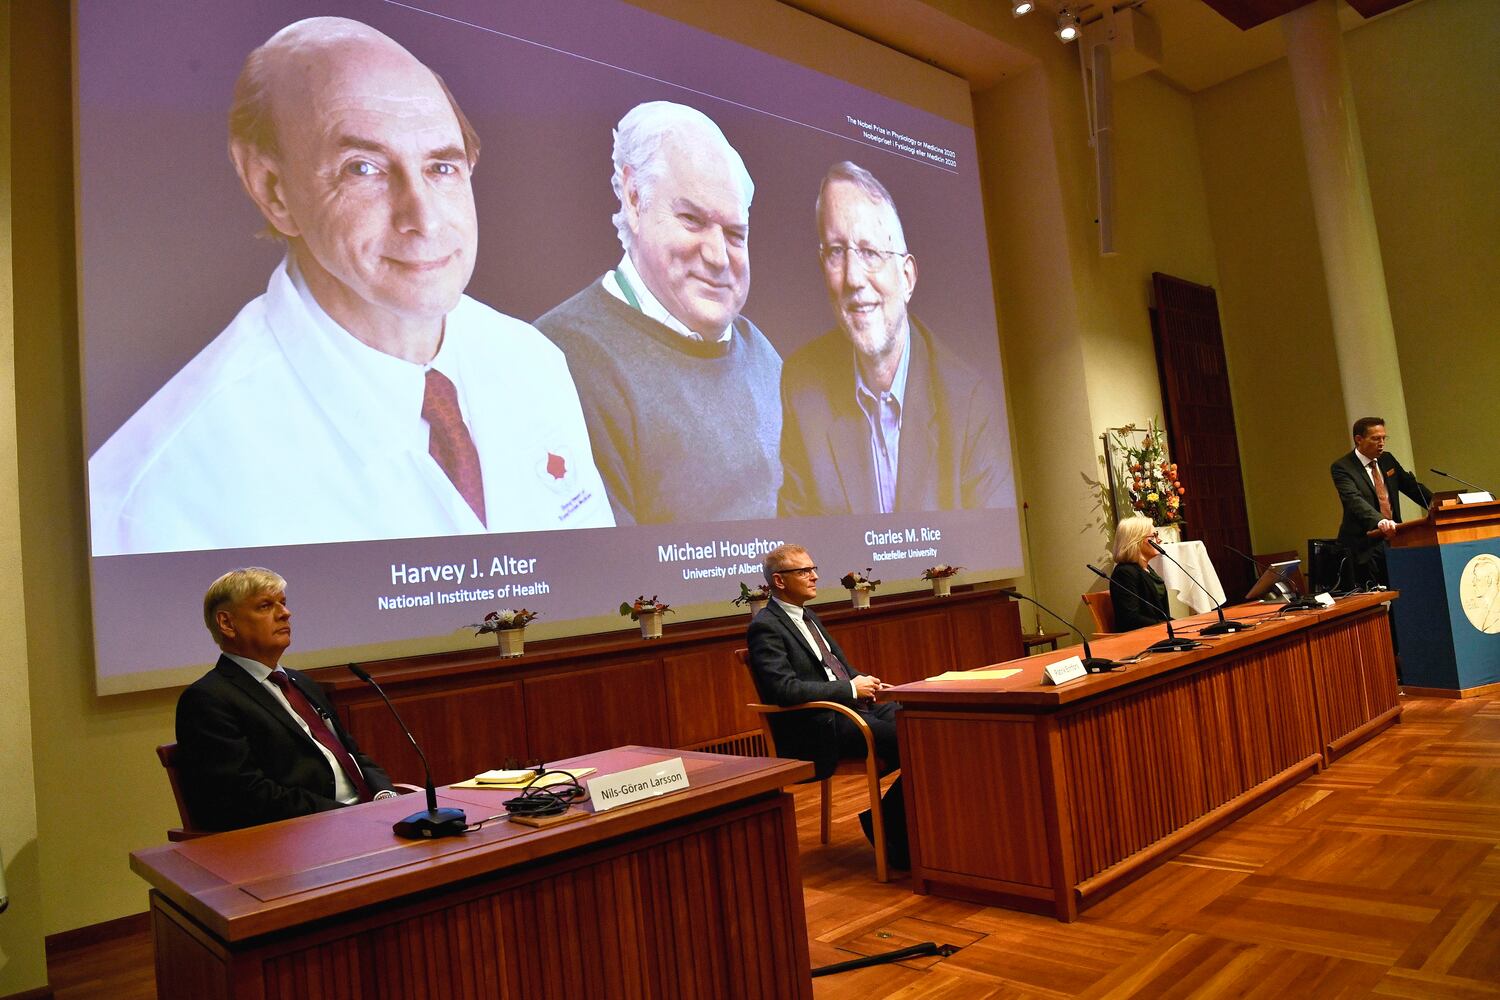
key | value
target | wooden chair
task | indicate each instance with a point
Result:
(868, 765)
(167, 754)
(1102, 607)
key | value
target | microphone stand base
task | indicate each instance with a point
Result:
(1304, 604)
(1225, 627)
(428, 824)
(1172, 644)
(1100, 665)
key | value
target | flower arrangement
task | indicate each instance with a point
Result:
(503, 621)
(748, 594)
(1152, 482)
(643, 606)
(940, 571)
(856, 581)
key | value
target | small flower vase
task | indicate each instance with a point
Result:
(860, 597)
(942, 586)
(756, 607)
(650, 624)
(1170, 534)
(512, 642)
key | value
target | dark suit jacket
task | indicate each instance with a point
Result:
(1127, 583)
(243, 760)
(1362, 508)
(788, 672)
(954, 443)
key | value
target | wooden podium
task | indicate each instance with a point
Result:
(693, 894)
(1447, 567)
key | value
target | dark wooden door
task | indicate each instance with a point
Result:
(1200, 423)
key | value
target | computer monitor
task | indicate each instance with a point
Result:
(1275, 582)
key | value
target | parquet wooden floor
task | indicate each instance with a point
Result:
(1377, 878)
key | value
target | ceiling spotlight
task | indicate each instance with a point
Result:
(1067, 25)
(1020, 8)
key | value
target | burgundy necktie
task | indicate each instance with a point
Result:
(830, 658)
(450, 444)
(321, 731)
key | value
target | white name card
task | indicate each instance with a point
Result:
(1480, 497)
(1325, 599)
(625, 787)
(1063, 671)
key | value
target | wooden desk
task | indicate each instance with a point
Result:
(1049, 798)
(692, 894)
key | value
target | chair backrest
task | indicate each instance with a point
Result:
(1102, 607)
(764, 718)
(167, 754)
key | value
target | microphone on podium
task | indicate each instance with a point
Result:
(1093, 664)
(434, 822)
(1223, 626)
(1173, 643)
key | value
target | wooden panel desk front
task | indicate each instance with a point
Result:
(1049, 798)
(697, 893)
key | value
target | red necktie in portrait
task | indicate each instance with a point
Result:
(450, 444)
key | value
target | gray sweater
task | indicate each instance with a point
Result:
(681, 430)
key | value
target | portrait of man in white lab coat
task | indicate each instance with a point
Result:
(363, 395)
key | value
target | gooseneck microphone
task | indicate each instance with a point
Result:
(1172, 643)
(1224, 625)
(1300, 601)
(434, 822)
(1093, 664)
(1449, 475)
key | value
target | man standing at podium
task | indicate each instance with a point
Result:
(1370, 481)
(257, 742)
(795, 660)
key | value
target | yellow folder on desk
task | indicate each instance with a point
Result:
(523, 778)
(977, 675)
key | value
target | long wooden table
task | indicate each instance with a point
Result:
(1049, 798)
(696, 893)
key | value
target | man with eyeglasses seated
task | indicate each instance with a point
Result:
(795, 660)
(903, 424)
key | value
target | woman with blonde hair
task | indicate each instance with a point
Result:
(1134, 583)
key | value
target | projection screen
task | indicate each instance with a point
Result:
(259, 330)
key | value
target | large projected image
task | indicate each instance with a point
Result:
(465, 319)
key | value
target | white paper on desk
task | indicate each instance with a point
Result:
(976, 675)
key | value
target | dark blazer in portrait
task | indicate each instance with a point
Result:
(954, 450)
(788, 672)
(1362, 509)
(243, 759)
(1128, 583)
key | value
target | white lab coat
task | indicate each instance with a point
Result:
(285, 430)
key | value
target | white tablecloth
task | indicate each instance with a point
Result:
(1185, 596)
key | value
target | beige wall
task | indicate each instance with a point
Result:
(1211, 188)
(1431, 132)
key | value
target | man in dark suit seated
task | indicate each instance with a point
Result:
(257, 742)
(1370, 482)
(795, 660)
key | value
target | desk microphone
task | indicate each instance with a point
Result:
(1223, 626)
(1449, 475)
(434, 822)
(1093, 664)
(1172, 643)
(1300, 602)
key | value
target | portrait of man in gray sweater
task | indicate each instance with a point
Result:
(679, 390)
